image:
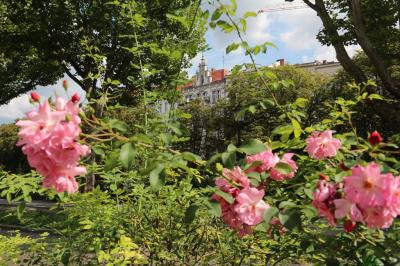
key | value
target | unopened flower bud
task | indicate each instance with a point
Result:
(75, 98)
(323, 177)
(375, 138)
(35, 97)
(65, 84)
(343, 166)
(349, 226)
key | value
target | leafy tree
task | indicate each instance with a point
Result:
(96, 43)
(374, 26)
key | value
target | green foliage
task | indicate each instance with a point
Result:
(42, 40)
(11, 157)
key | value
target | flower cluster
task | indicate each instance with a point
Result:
(367, 196)
(268, 161)
(48, 137)
(248, 207)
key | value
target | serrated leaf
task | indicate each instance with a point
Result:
(214, 207)
(290, 219)
(283, 168)
(253, 146)
(270, 213)
(249, 14)
(227, 197)
(190, 214)
(232, 47)
(157, 177)
(111, 161)
(127, 155)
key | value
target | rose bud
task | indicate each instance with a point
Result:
(349, 226)
(323, 177)
(375, 138)
(343, 167)
(35, 97)
(65, 84)
(75, 98)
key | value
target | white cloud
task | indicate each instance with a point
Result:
(17, 107)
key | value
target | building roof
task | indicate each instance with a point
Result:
(218, 74)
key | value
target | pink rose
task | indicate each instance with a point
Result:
(278, 176)
(236, 175)
(250, 206)
(321, 145)
(367, 187)
(49, 139)
(266, 159)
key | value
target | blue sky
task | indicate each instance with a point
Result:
(292, 31)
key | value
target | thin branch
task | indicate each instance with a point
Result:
(72, 76)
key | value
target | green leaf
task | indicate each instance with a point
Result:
(214, 207)
(253, 146)
(190, 157)
(296, 128)
(249, 14)
(283, 168)
(231, 148)
(20, 210)
(127, 155)
(232, 47)
(157, 177)
(178, 128)
(190, 214)
(216, 15)
(269, 213)
(111, 161)
(227, 197)
(229, 159)
(98, 151)
(118, 125)
(290, 219)
(225, 26)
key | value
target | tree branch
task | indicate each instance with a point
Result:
(77, 81)
(341, 53)
(371, 52)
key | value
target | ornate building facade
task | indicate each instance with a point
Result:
(207, 86)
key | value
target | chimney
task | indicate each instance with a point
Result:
(281, 61)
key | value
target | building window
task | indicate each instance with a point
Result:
(206, 98)
(214, 97)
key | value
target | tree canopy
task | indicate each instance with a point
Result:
(96, 42)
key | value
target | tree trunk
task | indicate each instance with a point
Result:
(373, 55)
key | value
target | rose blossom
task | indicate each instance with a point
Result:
(344, 207)
(278, 176)
(321, 145)
(236, 175)
(49, 139)
(250, 206)
(367, 186)
(266, 158)
(323, 200)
